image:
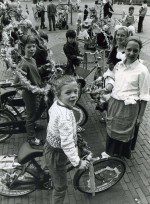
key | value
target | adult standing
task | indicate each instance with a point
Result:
(142, 14)
(51, 13)
(108, 9)
(41, 13)
(130, 93)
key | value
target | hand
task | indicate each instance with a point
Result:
(84, 164)
(139, 120)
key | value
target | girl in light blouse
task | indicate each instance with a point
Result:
(117, 52)
(129, 96)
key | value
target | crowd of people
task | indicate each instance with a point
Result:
(126, 89)
(57, 14)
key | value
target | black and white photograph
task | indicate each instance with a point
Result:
(74, 102)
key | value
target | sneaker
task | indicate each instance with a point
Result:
(104, 155)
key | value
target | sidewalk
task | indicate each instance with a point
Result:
(134, 188)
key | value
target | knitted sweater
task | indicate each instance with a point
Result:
(61, 131)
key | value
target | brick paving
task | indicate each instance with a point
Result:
(135, 185)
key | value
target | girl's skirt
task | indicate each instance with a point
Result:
(121, 120)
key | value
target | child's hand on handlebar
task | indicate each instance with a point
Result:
(84, 164)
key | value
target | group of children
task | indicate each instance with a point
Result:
(127, 84)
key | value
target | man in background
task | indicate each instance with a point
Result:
(51, 13)
(142, 14)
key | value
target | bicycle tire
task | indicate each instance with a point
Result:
(6, 116)
(7, 192)
(80, 114)
(108, 172)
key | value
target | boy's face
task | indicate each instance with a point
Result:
(30, 49)
(71, 40)
(69, 94)
(131, 12)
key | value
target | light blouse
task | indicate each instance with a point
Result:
(61, 131)
(131, 82)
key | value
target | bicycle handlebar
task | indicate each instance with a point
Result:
(5, 85)
(93, 53)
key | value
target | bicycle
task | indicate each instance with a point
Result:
(12, 121)
(23, 174)
(92, 86)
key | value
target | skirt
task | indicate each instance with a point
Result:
(117, 148)
(121, 119)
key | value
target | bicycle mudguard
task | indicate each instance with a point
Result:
(75, 178)
(8, 162)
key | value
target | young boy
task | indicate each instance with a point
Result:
(28, 76)
(61, 140)
(129, 19)
(72, 52)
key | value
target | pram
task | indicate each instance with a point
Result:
(61, 22)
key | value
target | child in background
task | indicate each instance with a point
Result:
(85, 12)
(72, 52)
(129, 19)
(29, 77)
(61, 140)
(79, 26)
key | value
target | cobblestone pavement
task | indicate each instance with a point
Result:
(135, 185)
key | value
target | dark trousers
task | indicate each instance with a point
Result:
(35, 106)
(51, 20)
(56, 162)
(140, 24)
(42, 19)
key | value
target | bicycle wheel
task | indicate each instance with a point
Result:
(80, 114)
(5, 117)
(107, 173)
(23, 185)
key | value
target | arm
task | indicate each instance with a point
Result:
(48, 11)
(111, 8)
(67, 140)
(142, 110)
(144, 88)
(21, 77)
(68, 54)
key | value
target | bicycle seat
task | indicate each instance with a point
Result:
(27, 153)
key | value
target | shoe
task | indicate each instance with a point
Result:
(50, 29)
(34, 142)
(104, 155)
